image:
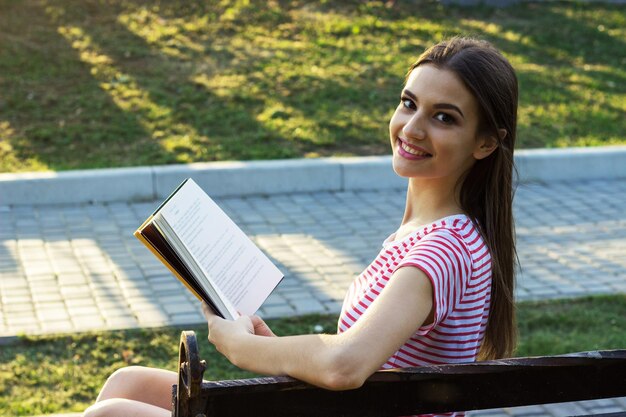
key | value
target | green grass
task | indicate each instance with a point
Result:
(556, 327)
(53, 374)
(102, 83)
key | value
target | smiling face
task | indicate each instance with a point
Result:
(434, 129)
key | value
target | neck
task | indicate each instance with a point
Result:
(429, 200)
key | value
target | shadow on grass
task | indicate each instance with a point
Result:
(120, 83)
(44, 73)
(572, 92)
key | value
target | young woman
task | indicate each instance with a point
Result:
(441, 288)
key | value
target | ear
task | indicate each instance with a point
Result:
(487, 144)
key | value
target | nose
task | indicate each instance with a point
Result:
(414, 128)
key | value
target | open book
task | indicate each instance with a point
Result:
(209, 253)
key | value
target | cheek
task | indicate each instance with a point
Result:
(394, 124)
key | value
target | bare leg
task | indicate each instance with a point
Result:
(119, 407)
(140, 384)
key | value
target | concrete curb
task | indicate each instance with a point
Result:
(221, 179)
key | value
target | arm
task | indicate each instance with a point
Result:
(341, 361)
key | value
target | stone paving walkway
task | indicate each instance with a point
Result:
(68, 268)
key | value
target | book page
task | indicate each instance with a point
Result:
(238, 270)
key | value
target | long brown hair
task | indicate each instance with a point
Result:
(486, 193)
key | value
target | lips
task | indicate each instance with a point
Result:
(412, 151)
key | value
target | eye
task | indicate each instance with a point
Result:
(407, 103)
(445, 118)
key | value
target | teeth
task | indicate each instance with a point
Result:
(412, 151)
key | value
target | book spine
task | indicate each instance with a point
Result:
(156, 253)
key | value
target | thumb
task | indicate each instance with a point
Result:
(247, 323)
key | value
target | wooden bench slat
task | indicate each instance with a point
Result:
(481, 385)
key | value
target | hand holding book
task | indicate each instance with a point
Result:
(209, 253)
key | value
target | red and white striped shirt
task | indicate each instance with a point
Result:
(453, 255)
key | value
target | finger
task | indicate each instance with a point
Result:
(207, 311)
(260, 327)
(247, 323)
(257, 321)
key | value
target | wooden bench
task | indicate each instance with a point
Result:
(429, 389)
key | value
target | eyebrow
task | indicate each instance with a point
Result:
(447, 106)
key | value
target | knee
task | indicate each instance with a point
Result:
(123, 383)
(100, 409)
(120, 407)
(128, 374)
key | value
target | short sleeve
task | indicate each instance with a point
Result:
(445, 259)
